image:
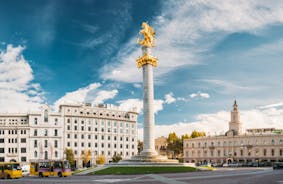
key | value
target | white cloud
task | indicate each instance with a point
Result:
(137, 85)
(183, 27)
(217, 123)
(129, 104)
(200, 94)
(228, 87)
(104, 95)
(169, 98)
(280, 104)
(17, 91)
(90, 94)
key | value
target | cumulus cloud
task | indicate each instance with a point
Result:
(105, 95)
(129, 104)
(18, 92)
(200, 95)
(183, 27)
(218, 123)
(169, 98)
(89, 94)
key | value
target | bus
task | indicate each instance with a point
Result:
(10, 170)
(45, 168)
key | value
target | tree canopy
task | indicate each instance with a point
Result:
(70, 155)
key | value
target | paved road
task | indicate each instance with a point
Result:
(227, 175)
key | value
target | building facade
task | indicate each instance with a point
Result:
(254, 145)
(102, 130)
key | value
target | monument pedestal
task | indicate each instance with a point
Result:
(149, 160)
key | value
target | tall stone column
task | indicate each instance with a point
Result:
(148, 108)
(147, 62)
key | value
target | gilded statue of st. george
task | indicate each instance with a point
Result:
(148, 36)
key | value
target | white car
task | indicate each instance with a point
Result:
(225, 165)
(25, 170)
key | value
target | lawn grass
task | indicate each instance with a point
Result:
(144, 170)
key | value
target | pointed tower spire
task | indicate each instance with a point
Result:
(235, 106)
(235, 125)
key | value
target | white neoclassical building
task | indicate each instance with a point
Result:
(254, 145)
(104, 130)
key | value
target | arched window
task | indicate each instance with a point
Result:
(45, 155)
(45, 115)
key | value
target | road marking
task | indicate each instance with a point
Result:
(165, 180)
(117, 180)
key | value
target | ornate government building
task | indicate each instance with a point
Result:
(104, 130)
(254, 145)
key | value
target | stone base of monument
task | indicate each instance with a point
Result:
(149, 160)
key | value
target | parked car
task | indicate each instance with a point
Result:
(277, 165)
(225, 165)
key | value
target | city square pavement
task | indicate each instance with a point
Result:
(219, 176)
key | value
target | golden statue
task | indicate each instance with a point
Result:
(148, 35)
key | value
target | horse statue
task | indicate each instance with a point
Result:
(148, 36)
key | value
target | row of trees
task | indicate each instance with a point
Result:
(174, 148)
(86, 158)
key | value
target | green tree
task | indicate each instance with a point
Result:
(116, 158)
(174, 145)
(70, 156)
(195, 134)
(186, 136)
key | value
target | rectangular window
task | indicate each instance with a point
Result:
(45, 143)
(23, 159)
(2, 150)
(55, 132)
(35, 143)
(68, 144)
(35, 121)
(23, 150)
(45, 132)
(82, 128)
(56, 144)
(68, 136)
(23, 140)
(35, 132)
(1, 140)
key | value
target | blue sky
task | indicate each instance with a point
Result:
(210, 53)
